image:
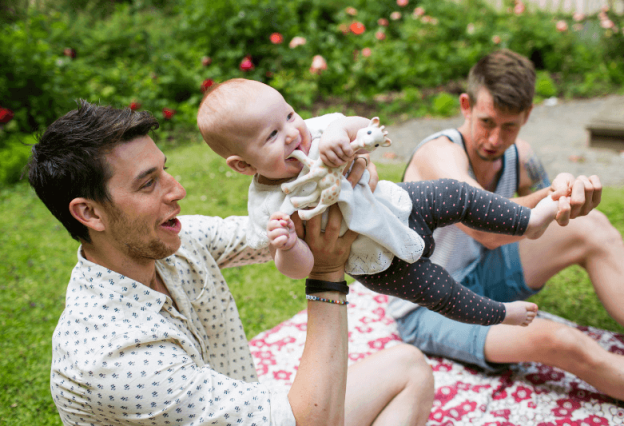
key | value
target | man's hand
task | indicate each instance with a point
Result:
(329, 249)
(585, 194)
(362, 162)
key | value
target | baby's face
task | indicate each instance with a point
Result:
(273, 131)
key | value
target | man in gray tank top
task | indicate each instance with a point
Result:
(485, 152)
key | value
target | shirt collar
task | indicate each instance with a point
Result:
(117, 287)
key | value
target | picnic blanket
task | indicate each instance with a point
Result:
(526, 394)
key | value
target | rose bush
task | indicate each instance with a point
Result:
(168, 58)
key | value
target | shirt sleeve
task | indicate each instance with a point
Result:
(158, 383)
(225, 239)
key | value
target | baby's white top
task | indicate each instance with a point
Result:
(381, 218)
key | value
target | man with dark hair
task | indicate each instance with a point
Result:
(485, 151)
(151, 334)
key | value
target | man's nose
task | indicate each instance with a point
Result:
(175, 191)
(494, 136)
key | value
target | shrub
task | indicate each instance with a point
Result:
(351, 50)
(14, 154)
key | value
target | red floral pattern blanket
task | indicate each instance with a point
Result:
(526, 394)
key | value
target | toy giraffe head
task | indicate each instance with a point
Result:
(371, 137)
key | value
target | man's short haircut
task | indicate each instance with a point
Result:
(69, 159)
(508, 76)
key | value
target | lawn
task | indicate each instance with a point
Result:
(39, 256)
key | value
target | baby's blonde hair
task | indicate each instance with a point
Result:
(214, 117)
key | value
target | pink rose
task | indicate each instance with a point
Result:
(562, 26)
(366, 52)
(519, 8)
(246, 64)
(351, 11)
(318, 65)
(383, 22)
(402, 3)
(395, 16)
(206, 60)
(607, 24)
(419, 11)
(380, 35)
(296, 41)
(578, 16)
(496, 39)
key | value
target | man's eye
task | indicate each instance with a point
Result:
(148, 183)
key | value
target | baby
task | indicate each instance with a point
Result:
(251, 125)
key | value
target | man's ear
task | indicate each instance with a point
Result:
(87, 212)
(239, 165)
(464, 105)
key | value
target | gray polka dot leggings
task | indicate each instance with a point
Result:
(440, 203)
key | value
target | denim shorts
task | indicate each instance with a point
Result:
(497, 275)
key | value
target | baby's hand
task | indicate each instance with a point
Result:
(281, 231)
(335, 148)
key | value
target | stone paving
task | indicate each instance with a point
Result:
(557, 133)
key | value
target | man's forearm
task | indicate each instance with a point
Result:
(318, 392)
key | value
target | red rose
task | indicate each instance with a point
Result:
(246, 64)
(134, 105)
(207, 84)
(206, 60)
(6, 115)
(168, 113)
(357, 28)
(68, 51)
(276, 38)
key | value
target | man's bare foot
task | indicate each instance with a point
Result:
(519, 313)
(541, 216)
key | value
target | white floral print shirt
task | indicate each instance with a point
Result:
(122, 353)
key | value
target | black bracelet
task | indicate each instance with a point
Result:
(318, 286)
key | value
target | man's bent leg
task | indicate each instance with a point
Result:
(390, 387)
(589, 241)
(561, 346)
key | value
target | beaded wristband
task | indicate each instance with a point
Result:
(320, 299)
(319, 286)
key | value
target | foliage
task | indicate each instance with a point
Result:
(378, 56)
(14, 153)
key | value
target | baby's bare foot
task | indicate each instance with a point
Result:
(519, 313)
(541, 216)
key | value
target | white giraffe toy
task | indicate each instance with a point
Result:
(328, 178)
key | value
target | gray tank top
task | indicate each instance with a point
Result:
(455, 250)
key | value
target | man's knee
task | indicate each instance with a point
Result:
(596, 230)
(565, 343)
(415, 364)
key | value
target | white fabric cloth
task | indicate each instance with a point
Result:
(122, 353)
(381, 218)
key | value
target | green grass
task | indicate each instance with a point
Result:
(38, 256)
